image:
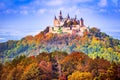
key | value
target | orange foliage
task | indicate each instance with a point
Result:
(49, 36)
(74, 56)
(39, 37)
(45, 66)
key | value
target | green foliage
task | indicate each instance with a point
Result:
(59, 30)
(18, 60)
(7, 45)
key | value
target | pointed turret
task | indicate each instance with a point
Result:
(75, 17)
(68, 17)
(81, 22)
(60, 13)
(60, 16)
(81, 19)
(55, 18)
(56, 23)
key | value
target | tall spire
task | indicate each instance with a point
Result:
(81, 22)
(60, 13)
(55, 18)
(75, 17)
(68, 17)
(81, 19)
(60, 16)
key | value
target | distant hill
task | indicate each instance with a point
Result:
(94, 43)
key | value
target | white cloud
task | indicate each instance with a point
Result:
(2, 38)
(38, 2)
(102, 3)
(115, 2)
(62, 2)
(87, 10)
(5, 32)
(118, 10)
(24, 7)
(82, 1)
(102, 10)
(41, 11)
(55, 2)
(16, 33)
(73, 10)
(84, 12)
(12, 34)
(10, 11)
(24, 12)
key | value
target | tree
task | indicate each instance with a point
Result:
(59, 30)
(80, 76)
(31, 72)
(1, 67)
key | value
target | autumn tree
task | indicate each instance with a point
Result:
(80, 76)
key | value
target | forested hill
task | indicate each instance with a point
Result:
(59, 66)
(94, 43)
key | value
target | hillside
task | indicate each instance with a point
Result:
(94, 43)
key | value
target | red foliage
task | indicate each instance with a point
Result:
(45, 66)
(62, 77)
(32, 57)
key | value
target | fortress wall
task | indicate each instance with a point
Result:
(67, 30)
(56, 28)
(76, 27)
(75, 30)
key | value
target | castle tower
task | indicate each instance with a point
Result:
(68, 17)
(56, 22)
(75, 20)
(55, 18)
(60, 16)
(81, 22)
(60, 13)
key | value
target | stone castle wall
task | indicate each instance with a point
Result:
(76, 29)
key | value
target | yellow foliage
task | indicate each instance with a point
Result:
(95, 40)
(80, 76)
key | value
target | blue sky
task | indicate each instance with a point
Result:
(19, 18)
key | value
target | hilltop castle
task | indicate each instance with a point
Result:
(68, 25)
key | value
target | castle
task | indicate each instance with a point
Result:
(68, 25)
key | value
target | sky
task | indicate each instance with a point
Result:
(19, 18)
